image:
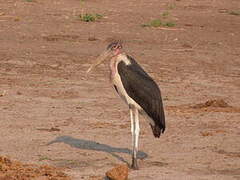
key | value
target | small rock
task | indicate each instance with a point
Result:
(217, 103)
(92, 38)
(186, 45)
(2, 93)
(119, 172)
(19, 93)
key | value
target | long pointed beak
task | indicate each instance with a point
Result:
(105, 55)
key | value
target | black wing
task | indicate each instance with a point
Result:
(142, 89)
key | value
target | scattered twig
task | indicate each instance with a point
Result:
(15, 18)
(48, 130)
(179, 50)
(171, 29)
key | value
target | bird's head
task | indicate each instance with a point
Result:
(113, 49)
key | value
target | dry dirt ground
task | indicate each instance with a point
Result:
(51, 115)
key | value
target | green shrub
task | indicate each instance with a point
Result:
(158, 23)
(90, 17)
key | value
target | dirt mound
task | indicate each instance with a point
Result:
(13, 170)
(217, 105)
(212, 103)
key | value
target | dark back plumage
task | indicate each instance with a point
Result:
(144, 91)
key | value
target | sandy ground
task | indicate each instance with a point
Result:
(51, 115)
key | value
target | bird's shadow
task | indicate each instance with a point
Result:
(95, 146)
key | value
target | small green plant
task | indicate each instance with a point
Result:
(42, 158)
(169, 24)
(29, 0)
(90, 17)
(236, 13)
(159, 23)
(171, 6)
(165, 14)
(153, 23)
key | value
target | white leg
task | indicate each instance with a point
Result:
(136, 131)
(132, 123)
(137, 128)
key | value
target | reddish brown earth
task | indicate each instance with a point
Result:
(51, 115)
(12, 170)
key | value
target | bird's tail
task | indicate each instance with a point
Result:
(157, 130)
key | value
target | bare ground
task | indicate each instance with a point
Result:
(50, 114)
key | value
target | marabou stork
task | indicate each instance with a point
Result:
(137, 89)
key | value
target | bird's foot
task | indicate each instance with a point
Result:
(134, 165)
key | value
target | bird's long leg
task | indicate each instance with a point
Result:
(131, 108)
(135, 136)
(132, 124)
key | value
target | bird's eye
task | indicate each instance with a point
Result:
(114, 47)
(117, 46)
